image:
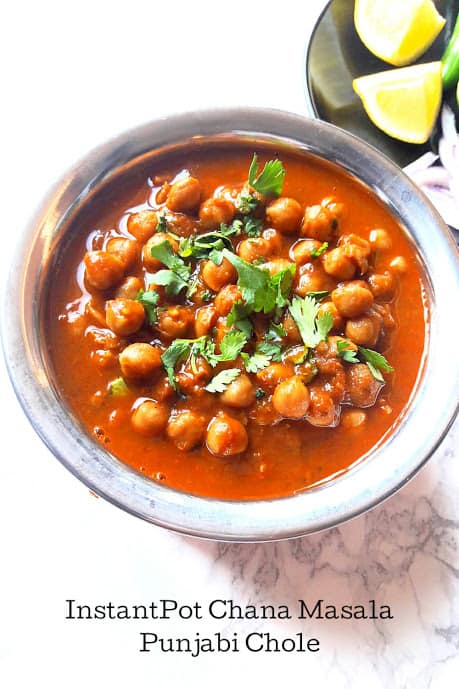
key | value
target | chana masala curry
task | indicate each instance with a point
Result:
(235, 324)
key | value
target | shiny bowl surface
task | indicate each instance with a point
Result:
(393, 462)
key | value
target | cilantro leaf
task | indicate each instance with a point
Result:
(257, 289)
(375, 362)
(232, 345)
(238, 316)
(256, 362)
(252, 227)
(312, 329)
(220, 382)
(275, 330)
(207, 295)
(346, 353)
(259, 393)
(272, 349)
(315, 253)
(318, 296)
(149, 301)
(247, 204)
(283, 281)
(162, 223)
(176, 278)
(177, 351)
(270, 179)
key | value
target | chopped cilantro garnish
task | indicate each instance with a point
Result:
(238, 316)
(247, 204)
(270, 179)
(253, 227)
(176, 278)
(315, 253)
(375, 362)
(260, 291)
(259, 393)
(272, 349)
(207, 295)
(232, 345)
(149, 301)
(318, 296)
(256, 362)
(162, 223)
(347, 354)
(220, 382)
(312, 329)
(177, 351)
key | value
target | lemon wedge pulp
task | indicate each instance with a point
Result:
(397, 31)
(404, 102)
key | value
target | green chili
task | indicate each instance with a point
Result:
(450, 59)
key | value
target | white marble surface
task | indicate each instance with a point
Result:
(75, 72)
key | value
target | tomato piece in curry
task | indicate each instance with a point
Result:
(235, 325)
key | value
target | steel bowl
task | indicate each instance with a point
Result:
(386, 468)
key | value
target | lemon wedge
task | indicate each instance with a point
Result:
(404, 102)
(397, 31)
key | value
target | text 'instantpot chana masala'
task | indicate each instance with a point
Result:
(237, 325)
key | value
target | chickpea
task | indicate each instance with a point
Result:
(362, 387)
(312, 278)
(262, 413)
(192, 378)
(274, 374)
(103, 338)
(181, 224)
(291, 398)
(186, 429)
(353, 418)
(216, 211)
(319, 223)
(364, 330)
(322, 411)
(382, 286)
(129, 288)
(162, 390)
(142, 225)
(352, 299)
(104, 358)
(103, 270)
(124, 316)
(174, 321)
(284, 214)
(329, 307)
(276, 265)
(150, 262)
(184, 195)
(150, 418)
(356, 249)
(228, 295)
(217, 277)
(240, 393)
(301, 252)
(140, 360)
(380, 240)
(274, 240)
(399, 265)
(338, 265)
(291, 328)
(251, 249)
(226, 436)
(204, 320)
(127, 250)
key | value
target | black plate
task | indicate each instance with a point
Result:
(336, 56)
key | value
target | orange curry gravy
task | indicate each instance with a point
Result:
(282, 455)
